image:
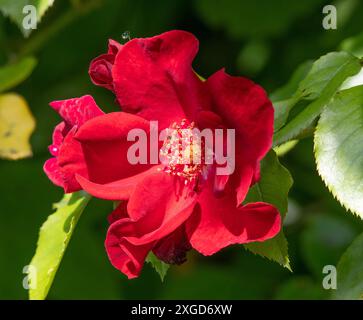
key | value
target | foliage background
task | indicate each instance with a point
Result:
(264, 40)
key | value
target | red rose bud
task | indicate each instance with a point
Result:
(100, 69)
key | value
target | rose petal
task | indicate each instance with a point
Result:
(117, 190)
(244, 106)
(71, 161)
(52, 170)
(153, 78)
(218, 223)
(105, 146)
(77, 111)
(158, 206)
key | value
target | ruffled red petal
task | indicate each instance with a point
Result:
(157, 207)
(51, 167)
(68, 156)
(218, 223)
(116, 190)
(153, 78)
(52, 170)
(71, 162)
(244, 106)
(105, 146)
(77, 111)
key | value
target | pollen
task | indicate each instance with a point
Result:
(181, 152)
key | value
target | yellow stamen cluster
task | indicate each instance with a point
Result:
(181, 152)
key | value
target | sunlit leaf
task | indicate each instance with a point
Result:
(13, 74)
(338, 146)
(54, 237)
(272, 188)
(284, 148)
(319, 86)
(16, 127)
(354, 45)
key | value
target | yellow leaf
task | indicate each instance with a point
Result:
(16, 126)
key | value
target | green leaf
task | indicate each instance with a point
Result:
(330, 69)
(13, 74)
(284, 98)
(286, 147)
(354, 45)
(14, 10)
(282, 109)
(273, 188)
(339, 148)
(349, 272)
(274, 185)
(319, 86)
(53, 240)
(275, 249)
(160, 267)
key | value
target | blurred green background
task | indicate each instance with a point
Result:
(264, 40)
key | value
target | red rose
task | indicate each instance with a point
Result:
(67, 154)
(172, 208)
(100, 69)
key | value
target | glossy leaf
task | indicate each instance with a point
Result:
(319, 86)
(339, 148)
(54, 237)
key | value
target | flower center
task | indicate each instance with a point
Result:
(181, 153)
